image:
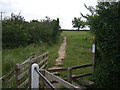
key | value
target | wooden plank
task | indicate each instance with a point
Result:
(43, 66)
(81, 66)
(24, 83)
(23, 74)
(12, 78)
(23, 64)
(86, 81)
(31, 60)
(61, 81)
(39, 56)
(64, 69)
(57, 69)
(8, 74)
(43, 61)
(82, 75)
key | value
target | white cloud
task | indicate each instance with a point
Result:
(66, 10)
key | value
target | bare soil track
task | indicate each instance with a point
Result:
(61, 54)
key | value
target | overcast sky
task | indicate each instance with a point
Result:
(65, 10)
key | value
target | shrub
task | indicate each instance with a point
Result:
(105, 24)
(18, 32)
(13, 34)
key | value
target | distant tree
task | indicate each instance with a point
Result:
(78, 23)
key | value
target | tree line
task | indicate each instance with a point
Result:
(18, 32)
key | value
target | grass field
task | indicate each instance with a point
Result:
(78, 52)
(12, 56)
(79, 46)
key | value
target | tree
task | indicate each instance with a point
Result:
(78, 23)
(105, 24)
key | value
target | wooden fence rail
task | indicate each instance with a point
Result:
(70, 70)
(62, 82)
(20, 74)
(66, 68)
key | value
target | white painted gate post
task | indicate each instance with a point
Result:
(34, 76)
(93, 48)
(93, 51)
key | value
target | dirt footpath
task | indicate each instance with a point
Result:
(59, 60)
(61, 53)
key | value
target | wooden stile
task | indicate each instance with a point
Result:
(62, 82)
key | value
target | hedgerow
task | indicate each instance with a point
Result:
(104, 23)
(18, 32)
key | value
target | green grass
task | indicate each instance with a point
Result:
(12, 56)
(78, 51)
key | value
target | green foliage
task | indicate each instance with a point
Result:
(105, 24)
(18, 32)
(13, 32)
(78, 23)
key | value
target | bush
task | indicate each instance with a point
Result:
(13, 34)
(18, 32)
(105, 24)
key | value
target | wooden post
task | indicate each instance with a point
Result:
(34, 76)
(17, 72)
(69, 75)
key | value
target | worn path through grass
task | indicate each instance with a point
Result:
(61, 55)
(78, 51)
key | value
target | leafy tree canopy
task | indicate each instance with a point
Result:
(78, 23)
